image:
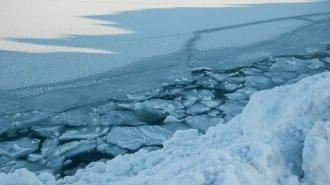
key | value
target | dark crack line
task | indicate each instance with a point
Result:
(189, 47)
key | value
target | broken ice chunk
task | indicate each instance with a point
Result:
(54, 157)
(235, 96)
(232, 108)
(126, 137)
(49, 131)
(171, 119)
(315, 64)
(326, 59)
(203, 122)
(136, 97)
(105, 108)
(156, 110)
(175, 91)
(259, 82)
(154, 134)
(278, 80)
(127, 118)
(247, 91)
(206, 81)
(35, 157)
(82, 147)
(218, 77)
(197, 109)
(84, 133)
(26, 120)
(189, 100)
(178, 114)
(230, 86)
(111, 149)
(251, 71)
(196, 69)
(128, 106)
(241, 94)
(295, 80)
(15, 149)
(199, 94)
(210, 103)
(289, 65)
(75, 118)
(173, 127)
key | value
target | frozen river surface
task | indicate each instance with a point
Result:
(86, 81)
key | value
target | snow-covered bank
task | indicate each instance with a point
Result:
(281, 137)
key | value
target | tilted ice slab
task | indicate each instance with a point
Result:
(281, 137)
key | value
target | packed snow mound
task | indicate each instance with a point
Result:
(281, 137)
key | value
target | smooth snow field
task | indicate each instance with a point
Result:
(164, 92)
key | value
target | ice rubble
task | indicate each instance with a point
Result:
(281, 137)
(144, 120)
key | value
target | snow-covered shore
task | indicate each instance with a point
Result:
(281, 137)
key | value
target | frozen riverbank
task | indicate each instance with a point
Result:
(59, 126)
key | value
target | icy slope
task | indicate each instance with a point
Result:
(281, 137)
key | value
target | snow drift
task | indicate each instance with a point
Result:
(281, 137)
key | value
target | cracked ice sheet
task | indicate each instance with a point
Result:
(73, 49)
(246, 35)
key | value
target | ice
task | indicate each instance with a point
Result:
(153, 111)
(128, 106)
(203, 122)
(276, 139)
(175, 126)
(127, 118)
(327, 59)
(131, 113)
(210, 103)
(197, 108)
(84, 133)
(171, 119)
(15, 149)
(111, 149)
(136, 97)
(49, 131)
(75, 118)
(231, 108)
(105, 108)
(126, 137)
(83, 147)
(154, 134)
(133, 138)
(316, 64)
(54, 156)
(259, 82)
(35, 157)
(189, 100)
(23, 120)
